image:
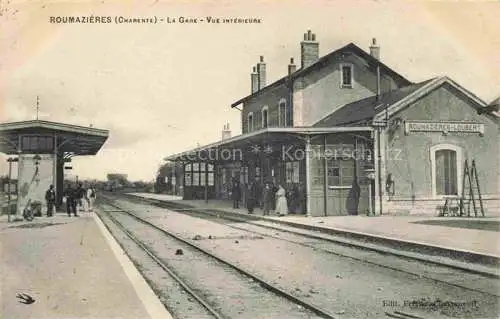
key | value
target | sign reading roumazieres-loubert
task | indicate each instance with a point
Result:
(443, 127)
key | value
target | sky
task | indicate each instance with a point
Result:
(163, 88)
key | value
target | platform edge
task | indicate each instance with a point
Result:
(150, 301)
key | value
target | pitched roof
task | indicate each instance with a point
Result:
(365, 109)
(428, 87)
(351, 47)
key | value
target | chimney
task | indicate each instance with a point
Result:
(291, 67)
(255, 80)
(375, 52)
(309, 49)
(375, 49)
(226, 132)
(261, 71)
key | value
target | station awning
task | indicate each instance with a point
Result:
(263, 136)
(78, 140)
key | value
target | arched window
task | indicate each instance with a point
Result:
(282, 113)
(265, 117)
(446, 170)
(250, 122)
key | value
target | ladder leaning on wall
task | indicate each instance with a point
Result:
(471, 193)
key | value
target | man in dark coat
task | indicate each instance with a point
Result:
(267, 198)
(50, 198)
(291, 195)
(236, 194)
(301, 199)
(251, 196)
(353, 198)
(69, 194)
(258, 193)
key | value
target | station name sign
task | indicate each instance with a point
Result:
(444, 127)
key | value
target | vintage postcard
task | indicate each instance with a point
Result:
(249, 159)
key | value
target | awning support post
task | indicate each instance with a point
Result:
(325, 166)
(56, 162)
(206, 184)
(308, 175)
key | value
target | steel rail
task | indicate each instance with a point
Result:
(242, 219)
(401, 315)
(407, 315)
(348, 256)
(317, 310)
(158, 261)
(344, 242)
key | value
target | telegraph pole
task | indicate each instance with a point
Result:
(37, 106)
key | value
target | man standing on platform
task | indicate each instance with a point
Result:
(258, 193)
(69, 194)
(251, 198)
(236, 193)
(267, 198)
(50, 198)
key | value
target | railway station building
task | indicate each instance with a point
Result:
(353, 135)
(41, 150)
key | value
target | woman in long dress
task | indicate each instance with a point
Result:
(281, 204)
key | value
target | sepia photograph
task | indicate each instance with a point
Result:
(268, 159)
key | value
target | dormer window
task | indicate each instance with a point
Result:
(250, 122)
(346, 76)
(265, 119)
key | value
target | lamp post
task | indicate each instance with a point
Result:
(370, 175)
(37, 158)
(10, 160)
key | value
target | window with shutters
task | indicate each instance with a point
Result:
(282, 113)
(265, 117)
(250, 125)
(346, 76)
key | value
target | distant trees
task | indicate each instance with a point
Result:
(165, 176)
(118, 180)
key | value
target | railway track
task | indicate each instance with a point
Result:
(254, 292)
(488, 269)
(176, 284)
(446, 277)
(482, 284)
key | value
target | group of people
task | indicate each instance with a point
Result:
(268, 197)
(79, 198)
(76, 199)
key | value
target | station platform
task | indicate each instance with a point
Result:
(72, 268)
(473, 236)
